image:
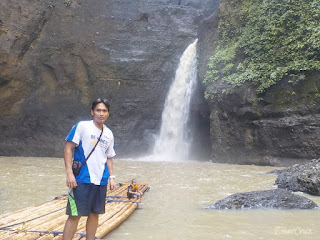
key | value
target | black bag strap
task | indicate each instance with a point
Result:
(93, 148)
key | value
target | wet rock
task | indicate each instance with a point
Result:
(277, 199)
(276, 172)
(280, 127)
(301, 177)
(56, 57)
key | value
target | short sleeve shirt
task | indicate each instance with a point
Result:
(85, 135)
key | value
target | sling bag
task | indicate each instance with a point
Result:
(76, 165)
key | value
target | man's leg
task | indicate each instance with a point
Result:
(70, 227)
(92, 224)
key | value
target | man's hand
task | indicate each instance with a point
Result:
(112, 184)
(71, 180)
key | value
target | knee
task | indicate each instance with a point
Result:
(93, 215)
(74, 219)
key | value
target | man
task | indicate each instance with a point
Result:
(88, 190)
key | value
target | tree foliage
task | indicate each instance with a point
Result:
(264, 40)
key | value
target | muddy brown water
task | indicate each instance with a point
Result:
(173, 209)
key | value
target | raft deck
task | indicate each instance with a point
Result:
(46, 220)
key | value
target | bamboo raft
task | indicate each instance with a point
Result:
(46, 220)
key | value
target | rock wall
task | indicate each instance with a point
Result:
(279, 127)
(56, 57)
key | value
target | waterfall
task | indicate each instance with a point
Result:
(173, 142)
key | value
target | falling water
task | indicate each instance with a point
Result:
(172, 144)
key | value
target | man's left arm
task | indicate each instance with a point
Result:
(112, 177)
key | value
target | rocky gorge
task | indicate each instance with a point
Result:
(55, 57)
(278, 125)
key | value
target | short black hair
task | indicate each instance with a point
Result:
(100, 100)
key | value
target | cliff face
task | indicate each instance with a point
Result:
(279, 127)
(56, 57)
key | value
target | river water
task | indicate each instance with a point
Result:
(173, 207)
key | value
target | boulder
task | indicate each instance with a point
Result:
(275, 172)
(276, 199)
(301, 177)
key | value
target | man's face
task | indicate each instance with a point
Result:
(100, 113)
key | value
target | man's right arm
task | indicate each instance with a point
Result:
(70, 178)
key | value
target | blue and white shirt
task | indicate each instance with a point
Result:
(85, 135)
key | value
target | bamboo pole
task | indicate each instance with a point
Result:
(119, 191)
(106, 227)
(28, 219)
(22, 235)
(46, 217)
(56, 238)
(102, 227)
(30, 225)
(82, 227)
(47, 237)
(40, 226)
(103, 217)
(52, 224)
(27, 214)
(6, 234)
(23, 219)
(110, 213)
(4, 215)
(16, 216)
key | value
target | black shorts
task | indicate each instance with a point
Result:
(86, 198)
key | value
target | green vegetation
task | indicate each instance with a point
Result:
(263, 41)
